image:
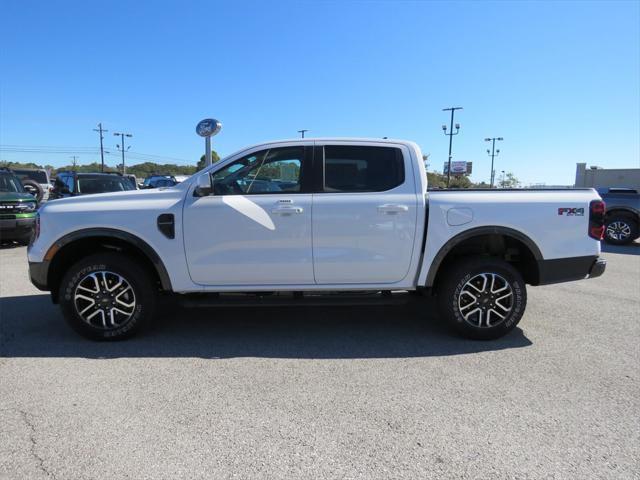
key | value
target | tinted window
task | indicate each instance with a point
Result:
(362, 169)
(69, 182)
(38, 175)
(10, 183)
(268, 171)
(162, 182)
(103, 184)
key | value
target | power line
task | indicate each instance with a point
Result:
(99, 129)
(80, 150)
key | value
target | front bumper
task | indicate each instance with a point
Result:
(38, 274)
(16, 228)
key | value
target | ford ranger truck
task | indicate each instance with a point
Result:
(339, 221)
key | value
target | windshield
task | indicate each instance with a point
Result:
(103, 184)
(10, 183)
(37, 175)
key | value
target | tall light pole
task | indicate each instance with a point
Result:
(101, 131)
(451, 134)
(493, 153)
(301, 132)
(122, 149)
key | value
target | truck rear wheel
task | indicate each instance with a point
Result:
(107, 296)
(482, 298)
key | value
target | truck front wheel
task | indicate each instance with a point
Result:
(620, 230)
(107, 296)
(482, 297)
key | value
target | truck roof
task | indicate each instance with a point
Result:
(338, 139)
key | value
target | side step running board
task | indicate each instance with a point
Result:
(296, 299)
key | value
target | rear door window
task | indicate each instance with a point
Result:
(351, 168)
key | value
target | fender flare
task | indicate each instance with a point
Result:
(137, 242)
(476, 232)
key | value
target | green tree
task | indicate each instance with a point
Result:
(510, 181)
(436, 180)
(7, 164)
(214, 158)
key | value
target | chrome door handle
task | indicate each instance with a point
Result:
(391, 209)
(287, 210)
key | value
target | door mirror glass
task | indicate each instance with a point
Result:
(203, 186)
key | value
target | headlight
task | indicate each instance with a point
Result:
(27, 206)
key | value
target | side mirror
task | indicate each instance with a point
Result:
(203, 186)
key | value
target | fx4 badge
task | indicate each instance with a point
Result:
(571, 212)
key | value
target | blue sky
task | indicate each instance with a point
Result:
(559, 81)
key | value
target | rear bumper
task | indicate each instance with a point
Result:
(598, 267)
(569, 269)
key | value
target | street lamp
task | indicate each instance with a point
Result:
(493, 153)
(122, 149)
(451, 134)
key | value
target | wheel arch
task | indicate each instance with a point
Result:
(76, 245)
(512, 245)
(623, 211)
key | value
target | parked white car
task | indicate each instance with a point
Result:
(312, 221)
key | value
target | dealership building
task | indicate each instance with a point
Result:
(597, 177)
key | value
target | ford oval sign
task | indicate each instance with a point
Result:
(208, 127)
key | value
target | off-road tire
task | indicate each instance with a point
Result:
(620, 221)
(33, 188)
(115, 265)
(457, 280)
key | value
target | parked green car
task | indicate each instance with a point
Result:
(17, 209)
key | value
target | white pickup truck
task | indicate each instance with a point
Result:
(340, 221)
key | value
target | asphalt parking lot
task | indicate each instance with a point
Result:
(326, 392)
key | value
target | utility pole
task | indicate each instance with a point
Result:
(301, 132)
(101, 131)
(74, 157)
(493, 153)
(451, 134)
(122, 149)
(503, 178)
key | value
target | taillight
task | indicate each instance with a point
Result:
(597, 209)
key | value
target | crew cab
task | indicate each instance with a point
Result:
(312, 221)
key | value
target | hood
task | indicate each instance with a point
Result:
(129, 200)
(16, 197)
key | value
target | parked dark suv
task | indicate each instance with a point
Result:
(622, 221)
(69, 184)
(158, 181)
